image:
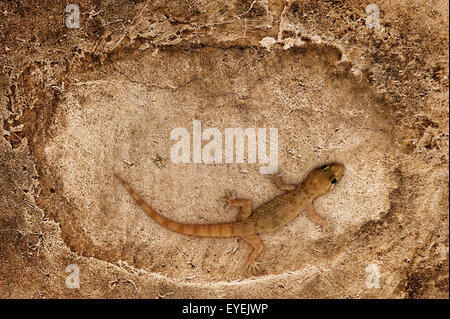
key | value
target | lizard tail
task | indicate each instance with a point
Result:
(209, 230)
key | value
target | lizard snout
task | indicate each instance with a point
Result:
(337, 170)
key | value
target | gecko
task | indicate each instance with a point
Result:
(266, 218)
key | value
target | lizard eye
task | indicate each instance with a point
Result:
(333, 180)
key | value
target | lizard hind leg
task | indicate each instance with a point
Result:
(245, 204)
(252, 239)
(258, 246)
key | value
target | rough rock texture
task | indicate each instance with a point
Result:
(77, 105)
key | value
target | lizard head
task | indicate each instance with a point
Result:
(323, 179)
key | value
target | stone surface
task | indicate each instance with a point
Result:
(77, 105)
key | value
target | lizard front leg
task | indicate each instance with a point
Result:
(316, 218)
(276, 178)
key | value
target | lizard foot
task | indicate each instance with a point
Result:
(328, 228)
(253, 267)
(228, 198)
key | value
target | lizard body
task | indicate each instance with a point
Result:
(266, 218)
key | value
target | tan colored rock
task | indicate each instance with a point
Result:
(79, 104)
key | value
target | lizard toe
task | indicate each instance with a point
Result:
(253, 267)
(228, 198)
